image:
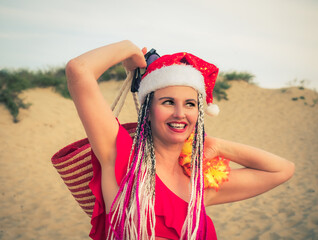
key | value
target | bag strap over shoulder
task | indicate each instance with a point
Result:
(121, 97)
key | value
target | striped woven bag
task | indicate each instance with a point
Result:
(74, 165)
(73, 162)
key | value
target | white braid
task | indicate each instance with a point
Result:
(146, 185)
(196, 175)
(136, 101)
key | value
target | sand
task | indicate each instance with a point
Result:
(35, 203)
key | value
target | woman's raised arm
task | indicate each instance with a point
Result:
(96, 115)
(263, 171)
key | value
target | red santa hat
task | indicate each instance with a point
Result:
(181, 69)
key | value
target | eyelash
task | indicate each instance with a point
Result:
(191, 104)
(170, 102)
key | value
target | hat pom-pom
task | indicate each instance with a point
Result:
(212, 109)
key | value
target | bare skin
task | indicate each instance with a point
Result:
(262, 170)
(173, 105)
(94, 112)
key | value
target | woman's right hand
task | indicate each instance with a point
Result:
(137, 60)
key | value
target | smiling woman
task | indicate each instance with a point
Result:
(174, 113)
(141, 190)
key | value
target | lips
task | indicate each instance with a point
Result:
(177, 126)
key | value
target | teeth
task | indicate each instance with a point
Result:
(177, 125)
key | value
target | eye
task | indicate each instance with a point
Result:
(190, 104)
(167, 102)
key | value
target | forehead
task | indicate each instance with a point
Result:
(177, 92)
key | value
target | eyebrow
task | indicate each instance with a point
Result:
(170, 98)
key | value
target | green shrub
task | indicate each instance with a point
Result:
(301, 84)
(10, 86)
(116, 72)
(219, 90)
(12, 102)
(12, 82)
(119, 72)
(238, 76)
(106, 76)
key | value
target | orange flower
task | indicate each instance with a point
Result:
(215, 171)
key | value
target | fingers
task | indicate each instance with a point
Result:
(137, 60)
(144, 50)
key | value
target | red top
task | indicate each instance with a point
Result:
(170, 209)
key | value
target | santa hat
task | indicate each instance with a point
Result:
(181, 69)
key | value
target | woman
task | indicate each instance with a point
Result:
(141, 189)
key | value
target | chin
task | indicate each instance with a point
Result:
(179, 139)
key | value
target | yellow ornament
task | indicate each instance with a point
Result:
(215, 171)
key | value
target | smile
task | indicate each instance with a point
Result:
(177, 125)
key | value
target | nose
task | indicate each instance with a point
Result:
(179, 111)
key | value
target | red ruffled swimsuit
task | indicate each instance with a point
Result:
(170, 209)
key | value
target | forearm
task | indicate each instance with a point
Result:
(95, 113)
(251, 157)
(262, 171)
(95, 62)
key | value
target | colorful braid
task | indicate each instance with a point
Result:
(136, 196)
(134, 203)
(193, 225)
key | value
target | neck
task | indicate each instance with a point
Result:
(167, 155)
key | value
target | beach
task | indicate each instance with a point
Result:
(36, 204)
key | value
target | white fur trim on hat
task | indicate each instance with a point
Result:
(212, 109)
(174, 75)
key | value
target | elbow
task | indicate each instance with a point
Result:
(73, 70)
(288, 171)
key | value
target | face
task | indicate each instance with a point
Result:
(173, 114)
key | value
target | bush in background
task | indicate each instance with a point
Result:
(13, 82)
(116, 72)
(219, 90)
(238, 76)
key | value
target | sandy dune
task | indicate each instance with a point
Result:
(35, 203)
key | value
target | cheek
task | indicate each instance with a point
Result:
(159, 113)
(193, 116)
(156, 115)
(193, 119)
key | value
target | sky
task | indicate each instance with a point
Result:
(275, 40)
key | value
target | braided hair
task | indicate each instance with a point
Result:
(133, 207)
